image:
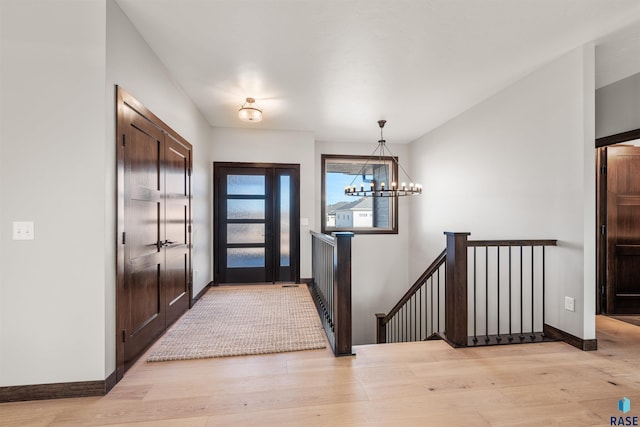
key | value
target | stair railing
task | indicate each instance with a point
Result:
(419, 314)
(331, 287)
(506, 281)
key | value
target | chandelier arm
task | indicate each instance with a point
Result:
(393, 156)
(363, 166)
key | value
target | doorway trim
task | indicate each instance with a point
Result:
(295, 225)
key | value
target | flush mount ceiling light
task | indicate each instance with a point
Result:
(382, 189)
(249, 112)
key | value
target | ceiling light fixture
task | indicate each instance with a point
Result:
(249, 112)
(380, 189)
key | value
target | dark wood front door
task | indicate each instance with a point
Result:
(256, 223)
(623, 229)
(154, 229)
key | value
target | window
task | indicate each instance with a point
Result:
(365, 215)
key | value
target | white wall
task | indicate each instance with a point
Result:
(272, 146)
(379, 261)
(52, 140)
(519, 165)
(618, 107)
(59, 64)
(132, 65)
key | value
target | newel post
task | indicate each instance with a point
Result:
(342, 294)
(381, 329)
(456, 289)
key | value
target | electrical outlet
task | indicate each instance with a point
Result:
(569, 304)
(23, 230)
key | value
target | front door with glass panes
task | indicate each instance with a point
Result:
(256, 223)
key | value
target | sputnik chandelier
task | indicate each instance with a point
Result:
(382, 189)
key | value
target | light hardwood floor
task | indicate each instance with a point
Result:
(428, 384)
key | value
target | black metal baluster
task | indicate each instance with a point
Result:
(431, 304)
(395, 327)
(475, 296)
(543, 290)
(486, 294)
(533, 334)
(521, 303)
(401, 325)
(407, 319)
(498, 337)
(438, 301)
(510, 300)
(420, 323)
(418, 328)
(410, 314)
(428, 307)
(413, 318)
(404, 332)
(392, 329)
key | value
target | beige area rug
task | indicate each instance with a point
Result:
(244, 320)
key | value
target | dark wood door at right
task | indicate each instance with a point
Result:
(623, 230)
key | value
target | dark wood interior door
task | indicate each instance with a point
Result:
(145, 315)
(154, 282)
(177, 274)
(257, 223)
(623, 230)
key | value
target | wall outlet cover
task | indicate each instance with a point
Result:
(23, 230)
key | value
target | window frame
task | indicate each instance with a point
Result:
(393, 209)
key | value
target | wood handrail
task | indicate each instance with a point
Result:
(478, 243)
(324, 237)
(413, 289)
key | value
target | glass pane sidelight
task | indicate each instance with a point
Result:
(285, 220)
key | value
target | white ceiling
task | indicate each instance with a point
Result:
(335, 67)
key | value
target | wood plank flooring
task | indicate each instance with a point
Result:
(426, 384)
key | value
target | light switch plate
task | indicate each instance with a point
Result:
(569, 304)
(304, 221)
(23, 230)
